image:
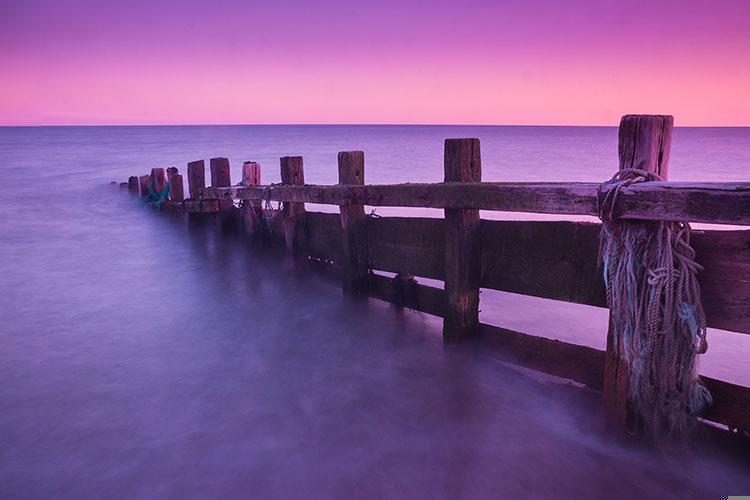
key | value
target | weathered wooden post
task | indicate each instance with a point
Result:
(133, 184)
(143, 185)
(176, 187)
(220, 177)
(251, 209)
(644, 143)
(354, 225)
(462, 244)
(158, 179)
(293, 213)
(196, 171)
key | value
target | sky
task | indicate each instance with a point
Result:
(564, 62)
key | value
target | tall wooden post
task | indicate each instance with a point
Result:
(354, 225)
(220, 177)
(293, 172)
(644, 143)
(462, 244)
(158, 179)
(196, 171)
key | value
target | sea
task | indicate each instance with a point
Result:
(144, 357)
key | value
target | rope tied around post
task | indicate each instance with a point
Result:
(653, 294)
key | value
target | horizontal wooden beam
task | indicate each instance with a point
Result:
(575, 362)
(717, 203)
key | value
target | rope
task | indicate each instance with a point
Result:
(658, 322)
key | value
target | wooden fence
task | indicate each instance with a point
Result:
(553, 260)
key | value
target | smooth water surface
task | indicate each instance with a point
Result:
(144, 357)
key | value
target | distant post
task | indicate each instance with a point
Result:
(143, 183)
(462, 244)
(293, 213)
(220, 177)
(133, 184)
(354, 225)
(176, 187)
(644, 143)
(196, 171)
(251, 209)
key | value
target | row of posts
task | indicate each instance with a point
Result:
(644, 143)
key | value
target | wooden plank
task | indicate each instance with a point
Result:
(293, 215)
(554, 260)
(324, 236)
(462, 244)
(196, 171)
(421, 298)
(715, 203)
(644, 144)
(409, 245)
(731, 404)
(561, 359)
(351, 165)
(725, 280)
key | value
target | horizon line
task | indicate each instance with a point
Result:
(45, 125)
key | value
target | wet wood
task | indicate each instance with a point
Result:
(421, 298)
(251, 211)
(408, 245)
(293, 215)
(144, 182)
(644, 144)
(324, 237)
(176, 186)
(196, 171)
(158, 180)
(351, 166)
(462, 244)
(716, 203)
(221, 177)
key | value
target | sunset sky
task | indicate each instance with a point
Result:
(385, 61)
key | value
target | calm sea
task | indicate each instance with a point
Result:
(142, 358)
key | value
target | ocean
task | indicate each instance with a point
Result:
(140, 357)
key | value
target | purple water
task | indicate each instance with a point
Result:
(140, 357)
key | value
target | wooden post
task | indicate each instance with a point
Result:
(196, 171)
(644, 143)
(143, 183)
(293, 172)
(462, 244)
(251, 209)
(176, 187)
(354, 226)
(158, 179)
(133, 184)
(220, 177)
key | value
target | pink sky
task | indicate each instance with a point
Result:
(344, 61)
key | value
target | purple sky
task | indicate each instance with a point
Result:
(229, 61)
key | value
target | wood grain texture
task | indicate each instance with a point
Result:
(176, 187)
(196, 172)
(462, 244)
(716, 203)
(351, 165)
(324, 237)
(158, 179)
(644, 143)
(143, 185)
(293, 213)
(408, 245)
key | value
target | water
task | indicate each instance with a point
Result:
(144, 358)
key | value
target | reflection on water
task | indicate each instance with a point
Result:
(143, 356)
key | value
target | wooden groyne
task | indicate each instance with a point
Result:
(553, 260)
